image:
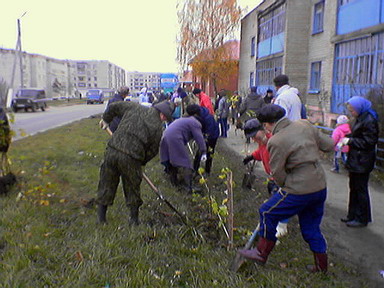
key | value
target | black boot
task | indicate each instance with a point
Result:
(173, 176)
(102, 214)
(134, 220)
(188, 182)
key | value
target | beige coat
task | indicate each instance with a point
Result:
(294, 156)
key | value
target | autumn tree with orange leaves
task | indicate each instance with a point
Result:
(205, 25)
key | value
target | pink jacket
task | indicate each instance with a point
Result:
(340, 132)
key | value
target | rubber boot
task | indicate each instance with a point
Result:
(102, 214)
(173, 176)
(261, 252)
(321, 263)
(134, 220)
(208, 165)
(188, 182)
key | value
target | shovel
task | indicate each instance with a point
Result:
(249, 177)
(239, 260)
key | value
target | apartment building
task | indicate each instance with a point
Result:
(139, 80)
(330, 49)
(99, 74)
(59, 77)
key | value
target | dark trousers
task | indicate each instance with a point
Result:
(359, 207)
(211, 144)
(223, 122)
(308, 207)
(118, 164)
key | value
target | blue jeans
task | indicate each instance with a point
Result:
(336, 159)
(308, 207)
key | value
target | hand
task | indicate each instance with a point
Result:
(203, 158)
(345, 141)
(247, 159)
(103, 125)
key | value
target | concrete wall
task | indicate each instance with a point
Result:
(247, 63)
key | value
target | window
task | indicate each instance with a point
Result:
(267, 70)
(314, 85)
(344, 2)
(95, 84)
(251, 81)
(95, 78)
(318, 18)
(253, 46)
(81, 78)
(89, 85)
(81, 85)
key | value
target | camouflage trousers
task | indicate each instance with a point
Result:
(117, 164)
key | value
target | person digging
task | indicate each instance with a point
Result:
(134, 143)
(295, 166)
(7, 178)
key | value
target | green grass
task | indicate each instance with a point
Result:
(49, 239)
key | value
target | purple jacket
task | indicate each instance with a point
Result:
(175, 138)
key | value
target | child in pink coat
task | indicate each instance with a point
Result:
(342, 129)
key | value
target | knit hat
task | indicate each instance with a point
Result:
(166, 108)
(342, 119)
(251, 127)
(193, 109)
(270, 113)
(196, 91)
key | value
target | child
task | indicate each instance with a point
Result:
(342, 129)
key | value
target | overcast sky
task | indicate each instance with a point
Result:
(134, 34)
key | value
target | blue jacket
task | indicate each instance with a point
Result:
(209, 125)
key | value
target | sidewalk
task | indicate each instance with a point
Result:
(362, 246)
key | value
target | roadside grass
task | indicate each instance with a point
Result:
(49, 239)
(70, 101)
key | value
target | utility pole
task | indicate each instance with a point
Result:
(18, 54)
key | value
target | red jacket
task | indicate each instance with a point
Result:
(206, 102)
(262, 154)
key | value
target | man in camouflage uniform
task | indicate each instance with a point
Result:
(134, 143)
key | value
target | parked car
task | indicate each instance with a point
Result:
(29, 98)
(95, 96)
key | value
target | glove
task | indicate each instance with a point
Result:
(203, 158)
(344, 141)
(103, 125)
(247, 159)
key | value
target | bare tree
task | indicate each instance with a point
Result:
(204, 27)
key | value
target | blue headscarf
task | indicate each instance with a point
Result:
(362, 105)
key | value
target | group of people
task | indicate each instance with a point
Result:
(289, 147)
(289, 150)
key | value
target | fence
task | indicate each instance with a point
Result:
(379, 165)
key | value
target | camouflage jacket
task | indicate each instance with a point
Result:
(139, 132)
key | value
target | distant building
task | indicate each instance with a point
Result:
(169, 82)
(139, 80)
(331, 50)
(59, 77)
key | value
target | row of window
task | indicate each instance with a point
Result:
(267, 70)
(82, 78)
(273, 24)
(85, 85)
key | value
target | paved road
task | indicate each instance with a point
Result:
(39, 121)
(362, 246)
